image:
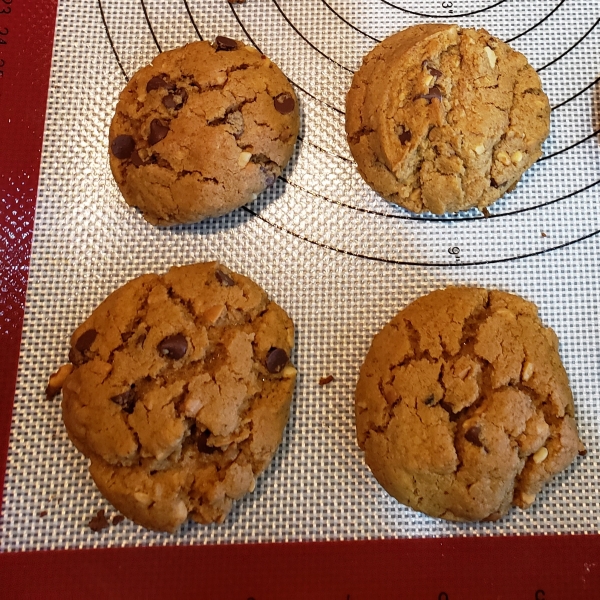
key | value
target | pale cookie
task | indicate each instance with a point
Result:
(444, 119)
(463, 407)
(179, 393)
(201, 131)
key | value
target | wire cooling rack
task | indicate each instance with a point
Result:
(337, 257)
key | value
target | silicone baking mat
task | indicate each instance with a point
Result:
(337, 257)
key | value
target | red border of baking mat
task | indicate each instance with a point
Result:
(536, 568)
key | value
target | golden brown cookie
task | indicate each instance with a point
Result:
(179, 393)
(201, 131)
(463, 407)
(444, 119)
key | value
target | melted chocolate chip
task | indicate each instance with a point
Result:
(156, 83)
(434, 72)
(158, 132)
(122, 146)
(174, 346)
(175, 100)
(225, 43)
(202, 443)
(276, 360)
(472, 435)
(126, 400)
(270, 177)
(284, 103)
(434, 93)
(430, 400)
(224, 279)
(86, 340)
(405, 137)
(136, 159)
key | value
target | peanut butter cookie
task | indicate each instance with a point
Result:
(444, 119)
(179, 393)
(463, 407)
(201, 131)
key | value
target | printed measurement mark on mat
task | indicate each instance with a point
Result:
(455, 251)
(5, 9)
(449, 6)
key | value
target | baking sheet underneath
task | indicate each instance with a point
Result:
(337, 257)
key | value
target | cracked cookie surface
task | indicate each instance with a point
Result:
(180, 392)
(463, 407)
(201, 131)
(443, 119)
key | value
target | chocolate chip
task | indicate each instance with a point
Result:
(405, 136)
(270, 177)
(430, 400)
(122, 146)
(224, 279)
(86, 340)
(158, 131)
(126, 400)
(225, 43)
(434, 93)
(156, 83)
(43, 514)
(174, 346)
(582, 452)
(494, 183)
(136, 159)
(434, 72)
(284, 103)
(202, 443)
(472, 435)
(276, 360)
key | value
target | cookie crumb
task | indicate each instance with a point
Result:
(117, 519)
(99, 522)
(544, 234)
(326, 380)
(236, 1)
(486, 212)
(43, 514)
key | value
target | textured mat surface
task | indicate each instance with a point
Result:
(341, 260)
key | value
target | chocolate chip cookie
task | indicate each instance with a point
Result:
(463, 407)
(201, 131)
(179, 392)
(443, 119)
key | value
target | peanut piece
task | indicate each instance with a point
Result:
(244, 159)
(480, 149)
(527, 371)
(504, 158)
(540, 455)
(516, 157)
(527, 498)
(491, 56)
(56, 381)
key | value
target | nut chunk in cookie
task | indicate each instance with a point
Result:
(463, 406)
(443, 119)
(201, 131)
(178, 392)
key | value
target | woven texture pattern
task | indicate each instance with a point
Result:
(337, 257)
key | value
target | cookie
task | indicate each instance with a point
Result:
(201, 131)
(179, 393)
(463, 407)
(443, 119)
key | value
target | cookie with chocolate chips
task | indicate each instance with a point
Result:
(201, 131)
(441, 119)
(179, 392)
(463, 407)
